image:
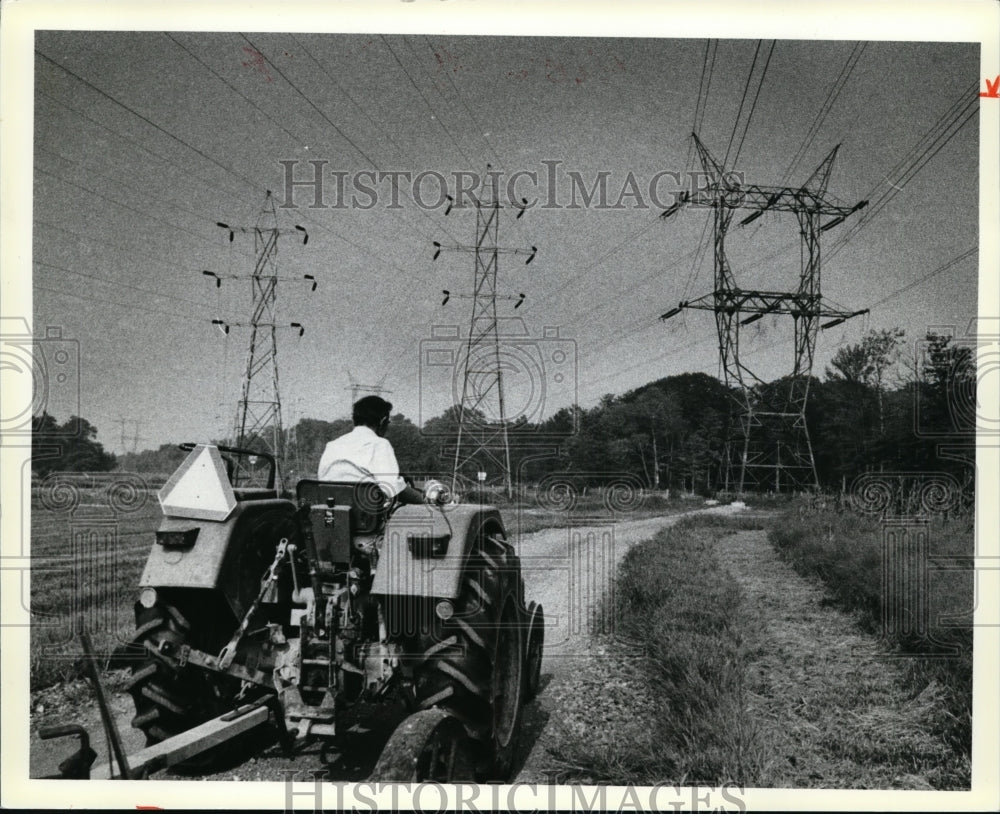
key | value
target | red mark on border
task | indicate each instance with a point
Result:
(445, 59)
(992, 89)
(257, 62)
(573, 68)
(149, 808)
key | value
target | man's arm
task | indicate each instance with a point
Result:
(410, 495)
(386, 468)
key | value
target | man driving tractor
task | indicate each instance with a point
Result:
(364, 454)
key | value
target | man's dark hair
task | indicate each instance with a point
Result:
(370, 411)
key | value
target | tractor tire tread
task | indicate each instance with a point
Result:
(141, 675)
(161, 699)
(460, 676)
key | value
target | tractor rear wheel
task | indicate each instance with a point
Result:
(534, 649)
(430, 745)
(471, 664)
(169, 698)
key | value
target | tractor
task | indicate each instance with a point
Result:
(314, 603)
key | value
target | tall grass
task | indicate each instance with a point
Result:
(674, 601)
(845, 551)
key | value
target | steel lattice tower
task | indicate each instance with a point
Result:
(769, 444)
(258, 411)
(357, 388)
(479, 367)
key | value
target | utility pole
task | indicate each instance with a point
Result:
(257, 423)
(130, 444)
(356, 388)
(479, 365)
(769, 433)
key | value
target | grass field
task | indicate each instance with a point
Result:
(85, 564)
(755, 676)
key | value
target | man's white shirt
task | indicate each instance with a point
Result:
(361, 455)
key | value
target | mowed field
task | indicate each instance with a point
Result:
(86, 564)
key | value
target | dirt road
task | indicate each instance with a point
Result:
(569, 570)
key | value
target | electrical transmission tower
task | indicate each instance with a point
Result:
(484, 438)
(258, 412)
(356, 388)
(130, 444)
(769, 445)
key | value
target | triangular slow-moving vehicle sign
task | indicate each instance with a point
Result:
(199, 488)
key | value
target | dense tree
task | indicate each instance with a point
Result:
(163, 460)
(868, 363)
(416, 454)
(68, 447)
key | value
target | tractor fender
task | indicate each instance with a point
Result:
(408, 563)
(229, 556)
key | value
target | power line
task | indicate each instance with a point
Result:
(125, 306)
(647, 361)
(699, 256)
(934, 134)
(130, 250)
(832, 94)
(365, 155)
(118, 283)
(753, 105)
(200, 216)
(935, 140)
(468, 110)
(436, 115)
(907, 164)
(231, 87)
(739, 113)
(339, 130)
(229, 170)
(970, 252)
(130, 140)
(116, 202)
(420, 211)
(629, 238)
(697, 104)
(143, 118)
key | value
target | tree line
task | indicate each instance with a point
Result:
(873, 410)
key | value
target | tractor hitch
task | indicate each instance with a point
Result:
(76, 766)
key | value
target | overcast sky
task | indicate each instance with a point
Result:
(144, 141)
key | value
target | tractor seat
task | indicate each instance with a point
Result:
(365, 499)
(254, 493)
